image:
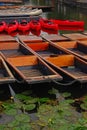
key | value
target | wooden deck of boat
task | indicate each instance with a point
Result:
(75, 36)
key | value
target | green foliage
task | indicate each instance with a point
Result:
(22, 118)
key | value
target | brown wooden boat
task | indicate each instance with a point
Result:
(54, 37)
(46, 49)
(6, 76)
(26, 66)
(30, 38)
(69, 67)
(77, 48)
(13, 49)
(32, 70)
(75, 36)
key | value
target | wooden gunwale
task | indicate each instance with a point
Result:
(8, 78)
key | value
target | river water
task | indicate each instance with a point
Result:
(60, 11)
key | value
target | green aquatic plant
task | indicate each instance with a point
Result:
(13, 123)
(84, 106)
(22, 118)
(66, 94)
(10, 111)
(21, 97)
(29, 107)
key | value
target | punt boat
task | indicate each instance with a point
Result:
(70, 67)
(6, 77)
(75, 36)
(27, 67)
(46, 49)
(13, 49)
(77, 48)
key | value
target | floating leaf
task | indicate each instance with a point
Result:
(26, 126)
(43, 100)
(21, 97)
(29, 107)
(83, 106)
(66, 94)
(22, 117)
(16, 128)
(10, 111)
(31, 100)
(14, 123)
(2, 127)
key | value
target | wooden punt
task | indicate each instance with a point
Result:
(30, 38)
(25, 65)
(75, 36)
(54, 37)
(70, 67)
(45, 49)
(77, 48)
(13, 49)
(6, 76)
(32, 70)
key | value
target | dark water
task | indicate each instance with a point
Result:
(60, 11)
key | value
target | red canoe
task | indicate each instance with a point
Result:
(49, 26)
(11, 28)
(35, 27)
(69, 24)
(2, 26)
(24, 27)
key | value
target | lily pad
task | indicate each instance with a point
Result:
(83, 106)
(26, 126)
(14, 123)
(22, 118)
(66, 94)
(31, 100)
(2, 127)
(21, 97)
(29, 107)
(10, 111)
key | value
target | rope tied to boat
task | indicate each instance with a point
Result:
(65, 84)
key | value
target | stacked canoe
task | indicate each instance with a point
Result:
(38, 25)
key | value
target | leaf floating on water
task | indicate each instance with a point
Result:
(22, 118)
(29, 107)
(66, 94)
(10, 111)
(14, 123)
